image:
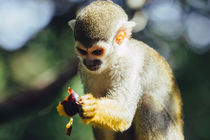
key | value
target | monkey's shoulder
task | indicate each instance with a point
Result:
(151, 56)
(141, 46)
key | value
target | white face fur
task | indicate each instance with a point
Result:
(97, 57)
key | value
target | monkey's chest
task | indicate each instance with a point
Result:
(97, 85)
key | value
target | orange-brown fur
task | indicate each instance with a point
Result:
(146, 124)
(134, 91)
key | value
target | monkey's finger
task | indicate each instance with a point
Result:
(91, 108)
(88, 115)
(87, 111)
(87, 97)
(89, 102)
(86, 102)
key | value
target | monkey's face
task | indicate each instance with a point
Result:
(101, 30)
(97, 54)
(94, 58)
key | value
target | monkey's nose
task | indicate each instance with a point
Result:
(92, 64)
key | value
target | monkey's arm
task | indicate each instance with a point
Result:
(104, 112)
(116, 111)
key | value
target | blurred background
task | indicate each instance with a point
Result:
(38, 62)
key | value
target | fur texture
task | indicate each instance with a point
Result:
(89, 28)
(134, 91)
(138, 87)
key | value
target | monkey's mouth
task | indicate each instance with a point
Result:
(93, 68)
(92, 65)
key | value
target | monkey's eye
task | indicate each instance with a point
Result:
(98, 52)
(81, 51)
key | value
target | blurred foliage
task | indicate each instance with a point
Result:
(39, 61)
(46, 123)
(44, 57)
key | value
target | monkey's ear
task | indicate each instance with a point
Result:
(124, 32)
(72, 23)
(128, 26)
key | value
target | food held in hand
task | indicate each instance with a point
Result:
(69, 107)
(69, 126)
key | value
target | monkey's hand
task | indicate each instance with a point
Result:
(103, 112)
(87, 107)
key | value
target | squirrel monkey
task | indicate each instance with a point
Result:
(130, 87)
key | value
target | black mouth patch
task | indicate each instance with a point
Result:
(92, 65)
(93, 68)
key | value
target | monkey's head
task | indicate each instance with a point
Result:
(101, 29)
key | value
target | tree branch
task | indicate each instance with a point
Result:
(30, 100)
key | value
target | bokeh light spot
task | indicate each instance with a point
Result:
(198, 31)
(20, 20)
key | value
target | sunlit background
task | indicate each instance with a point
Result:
(38, 62)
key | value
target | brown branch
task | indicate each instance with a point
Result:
(31, 100)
